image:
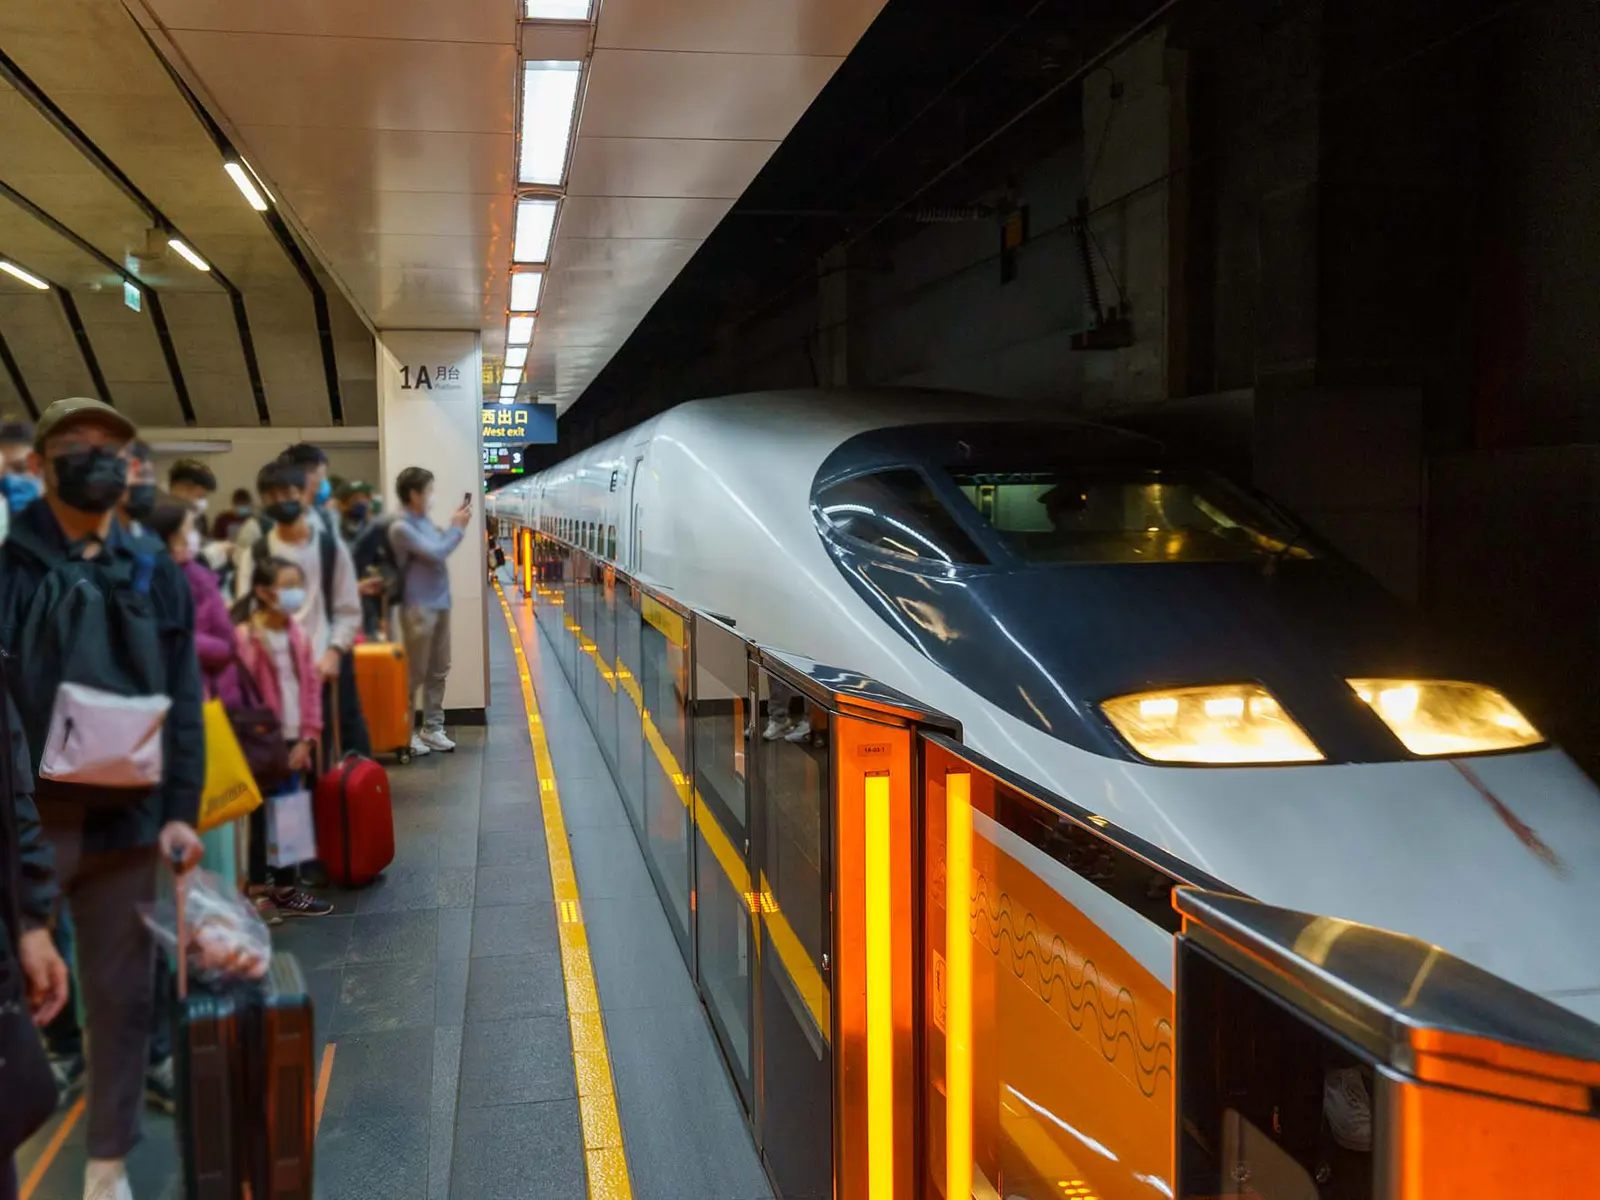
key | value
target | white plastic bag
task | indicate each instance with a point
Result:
(291, 830)
(226, 938)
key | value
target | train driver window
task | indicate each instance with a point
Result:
(898, 512)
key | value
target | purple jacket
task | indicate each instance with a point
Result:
(213, 636)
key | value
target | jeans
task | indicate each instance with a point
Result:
(116, 971)
(427, 632)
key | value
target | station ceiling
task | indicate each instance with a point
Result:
(386, 138)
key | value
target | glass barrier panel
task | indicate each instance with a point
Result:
(605, 651)
(1047, 965)
(587, 679)
(722, 875)
(665, 794)
(1271, 1106)
(632, 752)
(794, 791)
(568, 646)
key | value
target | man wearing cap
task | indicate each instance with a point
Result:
(109, 843)
(353, 501)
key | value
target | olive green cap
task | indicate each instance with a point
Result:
(75, 410)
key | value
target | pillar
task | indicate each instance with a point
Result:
(429, 415)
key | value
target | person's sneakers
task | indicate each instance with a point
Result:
(1348, 1108)
(419, 747)
(266, 909)
(436, 739)
(106, 1179)
(776, 728)
(161, 1087)
(292, 902)
(68, 1070)
(801, 731)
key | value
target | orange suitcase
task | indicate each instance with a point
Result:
(383, 681)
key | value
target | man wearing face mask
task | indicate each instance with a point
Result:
(139, 498)
(191, 481)
(19, 487)
(113, 820)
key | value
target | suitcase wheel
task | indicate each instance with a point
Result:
(404, 755)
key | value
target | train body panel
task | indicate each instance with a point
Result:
(1495, 858)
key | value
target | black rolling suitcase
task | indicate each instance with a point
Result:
(243, 1062)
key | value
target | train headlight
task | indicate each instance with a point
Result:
(1230, 723)
(1433, 718)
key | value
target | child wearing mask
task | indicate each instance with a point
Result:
(276, 655)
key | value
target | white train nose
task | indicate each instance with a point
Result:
(1498, 863)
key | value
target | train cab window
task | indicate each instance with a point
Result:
(1113, 514)
(898, 512)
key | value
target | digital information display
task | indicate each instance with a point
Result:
(502, 460)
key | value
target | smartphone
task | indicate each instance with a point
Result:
(466, 499)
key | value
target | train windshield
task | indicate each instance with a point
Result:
(1126, 514)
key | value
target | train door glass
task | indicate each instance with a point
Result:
(792, 787)
(1270, 1107)
(722, 852)
(665, 787)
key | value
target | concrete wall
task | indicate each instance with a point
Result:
(236, 454)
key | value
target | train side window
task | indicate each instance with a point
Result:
(898, 512)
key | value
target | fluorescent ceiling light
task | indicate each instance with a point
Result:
(188, 255)
(246, 185)
(508, 392)
(27, 277)
(549, 104)
(525, 287)
(517, 356)
(519, 331)
(558, 10)
(511, 375)
(536, 224)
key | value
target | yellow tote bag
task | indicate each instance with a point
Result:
(230, 790)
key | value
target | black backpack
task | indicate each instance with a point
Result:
(327, 551)
(374, 552)
(90, 678)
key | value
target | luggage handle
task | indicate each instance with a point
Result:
(178, 872)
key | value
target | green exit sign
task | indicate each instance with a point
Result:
(130, 295)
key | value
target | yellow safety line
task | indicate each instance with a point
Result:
(53, 1148)
(323, 1076)
(597, 1100)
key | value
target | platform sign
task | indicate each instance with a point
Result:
(519, 424)
(502, 460)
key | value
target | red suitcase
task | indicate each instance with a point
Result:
(355, 820)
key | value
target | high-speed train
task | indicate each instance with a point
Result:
(1130, 631)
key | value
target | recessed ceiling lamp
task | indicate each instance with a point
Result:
(519, 331)
(517, 356)
(558, 10)
(508, 391)
(549, 104)
(536, 224)
(188, 255)
(525, 286)
(27, 277)
(511, 375)
(246, 185)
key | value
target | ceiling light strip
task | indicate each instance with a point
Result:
(549, 113)
(22, 273)
(246, 185)
(558, 10)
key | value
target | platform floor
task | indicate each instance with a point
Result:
(445, 1045)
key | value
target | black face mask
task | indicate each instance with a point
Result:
(141, 501)
(356, 512)
(285, 512)
(91, 481)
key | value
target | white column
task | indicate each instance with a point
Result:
(430, 393)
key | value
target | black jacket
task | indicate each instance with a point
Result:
(28, 888)
(178, 797)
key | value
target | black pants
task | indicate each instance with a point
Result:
(352, 725)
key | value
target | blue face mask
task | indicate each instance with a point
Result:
(20, 491)
(324, 490)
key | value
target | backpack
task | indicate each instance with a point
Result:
(374, 552)
(90, 683)
(327, 551)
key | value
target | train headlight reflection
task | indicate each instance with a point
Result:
(1230, 723)
(1433, 718)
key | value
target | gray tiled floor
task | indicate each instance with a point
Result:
(441, 987)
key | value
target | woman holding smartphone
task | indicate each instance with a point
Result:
(421, 548)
